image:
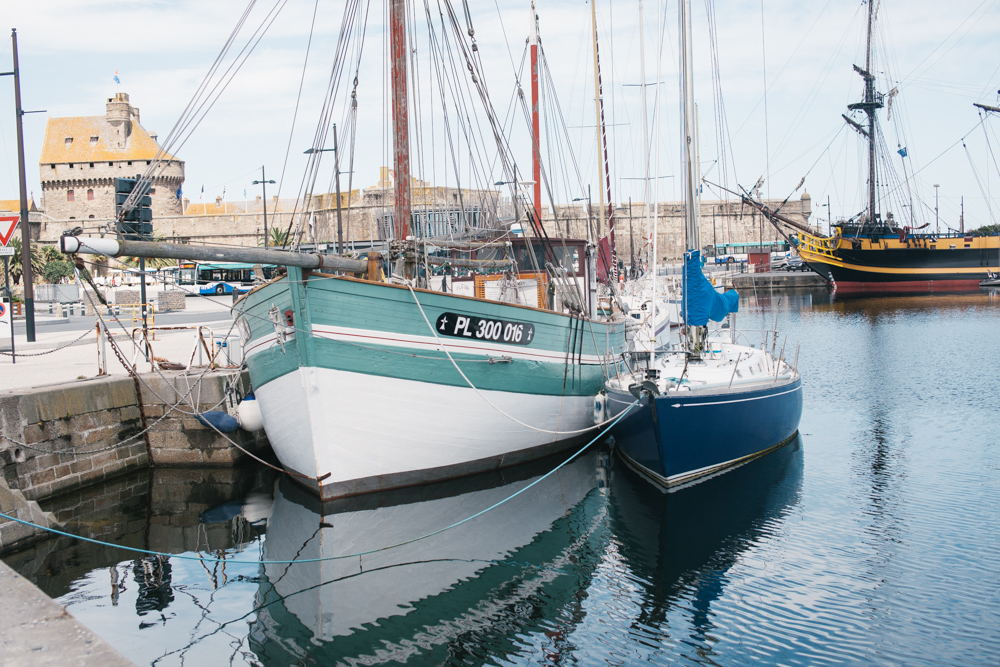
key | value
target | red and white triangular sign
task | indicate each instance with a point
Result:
(7, 226)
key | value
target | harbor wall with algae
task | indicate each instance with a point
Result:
(58, 439)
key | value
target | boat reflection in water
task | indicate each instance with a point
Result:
(681, 543)
(468, 590)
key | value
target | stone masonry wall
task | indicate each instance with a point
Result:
(61, 438)
(171, 299)
(13, 503)
(181, 440)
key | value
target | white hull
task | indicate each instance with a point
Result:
(370, 433)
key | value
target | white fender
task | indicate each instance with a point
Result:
(600, 408)
(248, 414)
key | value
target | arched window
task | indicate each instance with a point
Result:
(69, 196)
(90, 195)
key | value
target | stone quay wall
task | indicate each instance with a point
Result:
(61, 438)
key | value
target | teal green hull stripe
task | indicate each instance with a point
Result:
(386, 310)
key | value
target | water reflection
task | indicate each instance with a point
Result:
(680, 545)
(160, 510)
(462, 595)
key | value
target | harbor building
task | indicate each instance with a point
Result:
(81, 157)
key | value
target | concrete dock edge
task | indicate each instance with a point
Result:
(37, 631)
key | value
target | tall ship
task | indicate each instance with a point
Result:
(873, 252)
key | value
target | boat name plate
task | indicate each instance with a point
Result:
(485, 328)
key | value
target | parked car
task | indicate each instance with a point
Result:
(793, 264)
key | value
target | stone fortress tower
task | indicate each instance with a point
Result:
(82, 156)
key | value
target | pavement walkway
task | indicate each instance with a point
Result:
(58, 356)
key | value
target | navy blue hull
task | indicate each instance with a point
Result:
(681, 437)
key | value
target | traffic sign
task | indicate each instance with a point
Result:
(4, 312)
(8, 223)
(6, 251)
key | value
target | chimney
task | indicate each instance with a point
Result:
(258, 199)
(218, 201)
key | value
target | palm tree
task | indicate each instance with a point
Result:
(37, 262)
(276, 237)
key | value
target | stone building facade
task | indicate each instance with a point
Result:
(82, 156)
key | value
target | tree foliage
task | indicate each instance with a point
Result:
(276, 237)
(57, 270)
(16, 271)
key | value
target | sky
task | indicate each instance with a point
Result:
(783, 69)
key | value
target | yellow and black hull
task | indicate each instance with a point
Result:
(881, 263)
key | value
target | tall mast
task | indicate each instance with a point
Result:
(602, 150)
(645, 156)
(400, 117)
(690, 140)
(657, 135)
(872, 101)
(536, 167)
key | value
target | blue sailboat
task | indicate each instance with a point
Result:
(708, 403)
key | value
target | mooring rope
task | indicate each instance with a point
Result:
(210, 559)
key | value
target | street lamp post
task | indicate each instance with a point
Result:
(336, 171)
(517, 215)
(590, 221)
(827, 205)
(263, 183)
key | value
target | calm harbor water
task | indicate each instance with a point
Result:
(873, 538)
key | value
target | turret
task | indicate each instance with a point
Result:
(119, 115)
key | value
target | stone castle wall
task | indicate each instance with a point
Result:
(93, 189)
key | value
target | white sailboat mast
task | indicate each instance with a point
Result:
(656, 163)
(692, 241)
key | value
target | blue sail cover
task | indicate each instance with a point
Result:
(702, 302)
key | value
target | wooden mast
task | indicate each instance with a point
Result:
(607, 220)
(400, 117)
(536, 167)
(872, 101)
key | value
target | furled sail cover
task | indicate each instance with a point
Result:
(703, 302)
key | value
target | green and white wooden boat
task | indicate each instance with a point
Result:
(368, 385)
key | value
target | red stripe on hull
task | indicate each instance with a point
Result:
(907, 286)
